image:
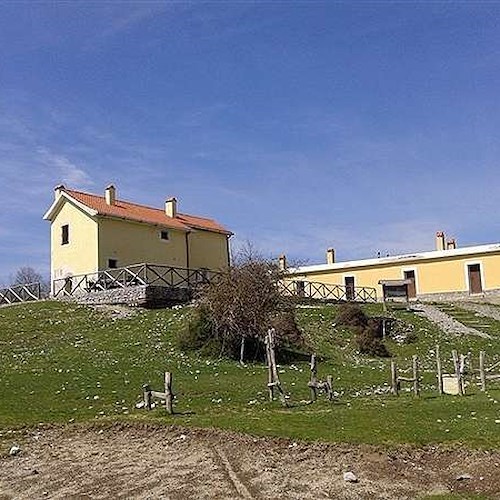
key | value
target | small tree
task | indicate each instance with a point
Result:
(243, 303)
(26, 275)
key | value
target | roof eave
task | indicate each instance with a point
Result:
(63, 198)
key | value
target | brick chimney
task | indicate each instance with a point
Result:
(58, 190)
(451, 244)
(110, 195)
(282, 262)
(171, 207)
(440, 241)
(330, 256)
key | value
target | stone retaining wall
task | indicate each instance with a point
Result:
(487, 295)
(148, 296)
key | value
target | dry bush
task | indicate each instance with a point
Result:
(367, 331)
(242, 304)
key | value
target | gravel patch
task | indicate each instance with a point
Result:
(447, 323)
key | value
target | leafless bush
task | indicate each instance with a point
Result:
(243, 303)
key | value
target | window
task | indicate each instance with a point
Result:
(112, 263)
(164, 235)
(65, 234)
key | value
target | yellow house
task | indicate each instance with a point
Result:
(446, 272)
(90, 233)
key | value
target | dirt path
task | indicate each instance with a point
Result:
(142, 462)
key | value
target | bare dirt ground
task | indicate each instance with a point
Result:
(147, 462)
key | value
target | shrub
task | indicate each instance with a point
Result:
(352, 316)
(367, 331)
(242, 304)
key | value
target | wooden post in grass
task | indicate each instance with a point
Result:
(329, 384)
(147, 396)
(394, 379)
(456, 364)
(270, 385)
(273, 377)
(313, 382)
(168, 393)
(416, 388)
(439, 371)
(482, 373)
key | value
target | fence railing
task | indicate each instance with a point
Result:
(134, 275)
(327, 292)
(20, 293)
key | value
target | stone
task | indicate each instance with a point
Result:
(461, 477)
(350, 477)
(14, 450)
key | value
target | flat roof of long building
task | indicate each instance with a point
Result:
(400, 259)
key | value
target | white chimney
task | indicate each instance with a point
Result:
(451, 244)
(171, 207)
(282, 263)
(440, 241)
(330, 256)
(58, 190)
(110, 195)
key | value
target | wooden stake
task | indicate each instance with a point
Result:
(329, 382)
(416, 388)
(270, 385)
(439, 371)
(313, 382)
(394, 379)
(456, 364)
(482, 373)
(242, 351)
(147, 396)
(168, 393)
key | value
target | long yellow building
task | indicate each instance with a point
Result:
(446, 272)
(90, 233)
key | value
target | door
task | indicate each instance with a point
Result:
(412, 289)
(475, 285)
(349, 287)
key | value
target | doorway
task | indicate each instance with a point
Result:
(349, 287)
(475, 284)
(412, 288)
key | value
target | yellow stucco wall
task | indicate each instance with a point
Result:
(209, 250)
(134, 243)
(79, 256)
(443, 275)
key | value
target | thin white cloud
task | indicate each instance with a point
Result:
(69, 172)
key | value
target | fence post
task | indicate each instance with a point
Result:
(439, 371)
(416, 388)
(168, 392)
(394, 379)
(482, 373)
(147, 396)
(312, 384)
(329, 383)
(456, 364)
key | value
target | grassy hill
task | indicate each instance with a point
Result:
(67, 363)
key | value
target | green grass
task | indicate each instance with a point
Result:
(64, 363)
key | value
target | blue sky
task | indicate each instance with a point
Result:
(365, 126)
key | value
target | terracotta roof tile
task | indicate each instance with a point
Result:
(141, 213)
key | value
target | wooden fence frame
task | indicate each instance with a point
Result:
(129, 276)
(20, 293)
